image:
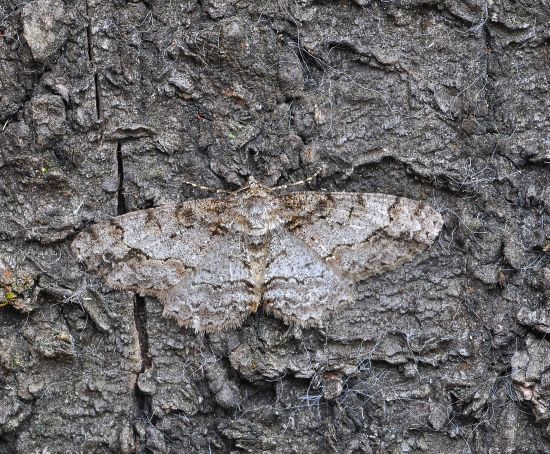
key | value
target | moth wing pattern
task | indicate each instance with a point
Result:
(220, 293)
(212, 262)
(361, 234)
(161, 251)
(301, 288)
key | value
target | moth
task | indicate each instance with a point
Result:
(212, 262)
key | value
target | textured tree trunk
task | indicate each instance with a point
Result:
(108, 107)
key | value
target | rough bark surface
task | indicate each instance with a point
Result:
(110, 106)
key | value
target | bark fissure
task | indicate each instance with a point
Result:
(89, 34)
(121, 201)
(142, 399)
(97, 87)
(97, 95)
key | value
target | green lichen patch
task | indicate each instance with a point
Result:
(15, 287)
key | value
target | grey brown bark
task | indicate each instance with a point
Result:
(108, 107)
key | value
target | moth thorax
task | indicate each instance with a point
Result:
(256, 216)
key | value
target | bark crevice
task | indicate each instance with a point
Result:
(91, 57)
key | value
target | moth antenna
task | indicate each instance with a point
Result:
(206, 188)
(298, 183)
(249, 182)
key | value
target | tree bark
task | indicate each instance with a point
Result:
(108, 107)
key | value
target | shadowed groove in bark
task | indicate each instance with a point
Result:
(143, 400)
(97, 97)
(89, 34)
(92, 61)
(121, 201)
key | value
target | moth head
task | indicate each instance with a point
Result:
(256, 210)
(254, 189)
